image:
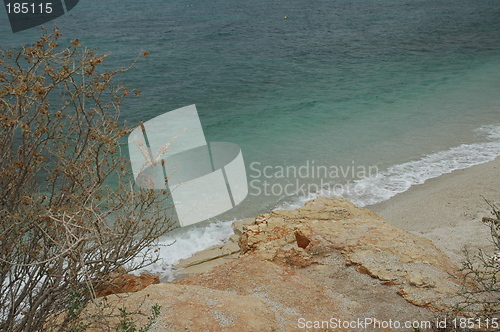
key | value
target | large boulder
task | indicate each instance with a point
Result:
(326, 226)
(288, 295)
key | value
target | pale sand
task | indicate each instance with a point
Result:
(448, 209)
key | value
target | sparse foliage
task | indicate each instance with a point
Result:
(69, 213)
(481, 295)
(127, 324)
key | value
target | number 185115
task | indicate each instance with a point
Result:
(29, 8)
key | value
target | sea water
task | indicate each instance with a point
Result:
(356, 98)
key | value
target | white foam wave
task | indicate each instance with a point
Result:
(399, 178)
(183, 244)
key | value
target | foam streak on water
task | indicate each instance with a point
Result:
(399, 178)
(180, 245)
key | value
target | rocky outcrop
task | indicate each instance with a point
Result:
(213, 256)
(327, 262)
(334, 225)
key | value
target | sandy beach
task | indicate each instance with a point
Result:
(448, 209)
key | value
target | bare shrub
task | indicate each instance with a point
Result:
(69, 213)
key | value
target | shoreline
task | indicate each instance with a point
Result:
(448, 209)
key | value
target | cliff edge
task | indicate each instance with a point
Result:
(328, 263)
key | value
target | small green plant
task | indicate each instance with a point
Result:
(76, 304)
(127, 324)
(76, 307)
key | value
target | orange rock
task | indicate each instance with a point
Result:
(189, 308)
(127, 283)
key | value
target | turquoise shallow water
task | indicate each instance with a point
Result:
(404, 86)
